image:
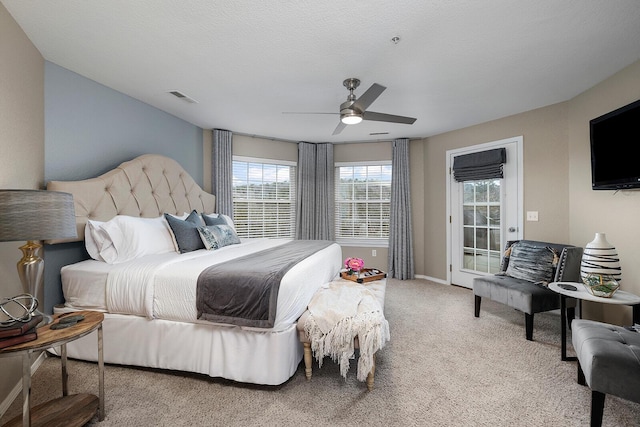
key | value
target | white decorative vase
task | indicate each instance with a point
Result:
(600, 257)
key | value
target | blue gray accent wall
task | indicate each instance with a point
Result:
(89, 130)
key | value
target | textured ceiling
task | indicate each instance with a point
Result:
(458, 63)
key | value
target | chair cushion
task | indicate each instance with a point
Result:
(609, 356)
(517, 293)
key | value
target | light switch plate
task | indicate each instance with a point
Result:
(532, 215)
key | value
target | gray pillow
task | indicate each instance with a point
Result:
(214, 220)
(532, 263)
(186, 231)
(196, 218)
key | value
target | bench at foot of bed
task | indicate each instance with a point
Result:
(378, 289)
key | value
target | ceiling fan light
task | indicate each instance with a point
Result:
(351, 119)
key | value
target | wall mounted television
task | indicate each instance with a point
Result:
(615, 138)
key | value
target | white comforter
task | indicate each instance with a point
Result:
(164, 286)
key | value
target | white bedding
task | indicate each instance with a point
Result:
(164, 286)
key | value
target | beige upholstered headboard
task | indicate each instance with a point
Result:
(146, 186)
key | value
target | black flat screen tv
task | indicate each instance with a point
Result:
(615, 139)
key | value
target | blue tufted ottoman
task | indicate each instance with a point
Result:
(608, 361)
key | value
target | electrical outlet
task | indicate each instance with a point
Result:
(374, 252)
(532, 215)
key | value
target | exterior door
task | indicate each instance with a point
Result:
(483, 215)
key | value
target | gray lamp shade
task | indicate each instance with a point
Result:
(36, 215)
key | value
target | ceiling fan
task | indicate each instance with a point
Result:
(354, 110)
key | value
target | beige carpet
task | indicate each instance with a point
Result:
(442, 367)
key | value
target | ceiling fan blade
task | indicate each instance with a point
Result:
(368, 97)
(298, 112)
(339, 128)
(382, 117)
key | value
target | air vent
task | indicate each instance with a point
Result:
(379, 133)
(182, 96)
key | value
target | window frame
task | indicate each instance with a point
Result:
(358, 241)
(292, 191)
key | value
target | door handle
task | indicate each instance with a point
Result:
(512, 230)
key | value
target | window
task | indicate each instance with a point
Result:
(363, 196)
(481, 225)
(263, 197)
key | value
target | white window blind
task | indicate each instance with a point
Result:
(263, 197)
(363, 196)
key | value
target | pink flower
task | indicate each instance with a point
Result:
(354, 265)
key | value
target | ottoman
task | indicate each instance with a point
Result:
(608, 362)
(378, 288)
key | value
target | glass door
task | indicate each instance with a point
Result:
(483, 215)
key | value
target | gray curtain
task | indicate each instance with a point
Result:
(400, 234)
(314, 195)
(222, 171)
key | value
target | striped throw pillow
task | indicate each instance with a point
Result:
(532, 263)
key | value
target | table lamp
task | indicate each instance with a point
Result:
(35, 215)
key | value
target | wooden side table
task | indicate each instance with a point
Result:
(68, 410)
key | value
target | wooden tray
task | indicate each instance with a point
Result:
(366, 275)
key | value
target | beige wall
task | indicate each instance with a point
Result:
(557, 184)
(615, 213)
(21, 149)
(264, 148)
(362, 152)
(546, 179)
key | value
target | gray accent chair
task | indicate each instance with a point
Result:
(608, 362)
(529, 297)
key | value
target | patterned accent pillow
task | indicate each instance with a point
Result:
(225, 235)
(208, 238)
(532, 263)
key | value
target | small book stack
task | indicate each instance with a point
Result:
(19, 332)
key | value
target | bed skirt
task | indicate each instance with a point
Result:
(256, 357)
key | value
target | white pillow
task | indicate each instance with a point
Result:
(94, 239)
(126, 237)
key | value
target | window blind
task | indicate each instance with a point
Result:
(480, 165)
(363, 194)
(263, 199)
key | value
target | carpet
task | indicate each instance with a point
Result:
(442, 367)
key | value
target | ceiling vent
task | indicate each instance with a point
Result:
(182, 96)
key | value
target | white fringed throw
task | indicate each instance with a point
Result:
(338, 314)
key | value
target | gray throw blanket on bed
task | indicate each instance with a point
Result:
(244, 291)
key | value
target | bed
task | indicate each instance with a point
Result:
(151, 297)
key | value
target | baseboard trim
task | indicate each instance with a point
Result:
(431, 279)
(17, 389)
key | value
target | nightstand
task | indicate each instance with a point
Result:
(68, 410)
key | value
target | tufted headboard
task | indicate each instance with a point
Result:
(146, 186)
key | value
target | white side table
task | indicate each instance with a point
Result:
(581, 293)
